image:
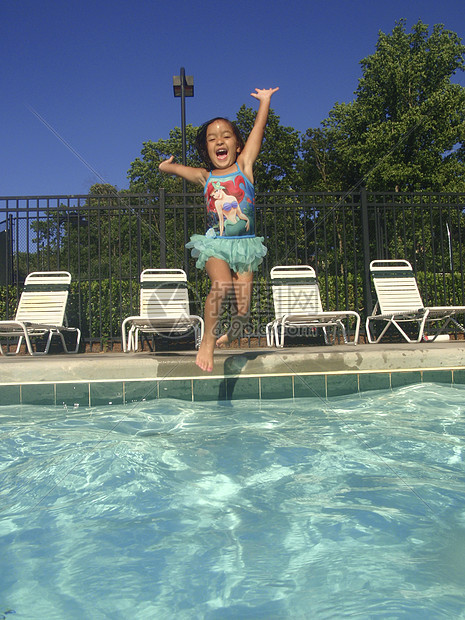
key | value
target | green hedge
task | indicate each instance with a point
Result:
(99, 308)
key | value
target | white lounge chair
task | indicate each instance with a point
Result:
(297, 304)
(164, 308)
(399, 302)
(41, 311)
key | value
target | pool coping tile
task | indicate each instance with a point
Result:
(176, 388)
(10, 394)
(106, 393)
(339, 385)
(242, 388)
(140, 391)
(276, 387)
(38, 394)
(209, 390)
(307, 386)
(72, 394)
(374, 381)
(458, 376)
(438, 376)
(408, 377)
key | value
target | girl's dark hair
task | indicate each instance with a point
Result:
(201, 139)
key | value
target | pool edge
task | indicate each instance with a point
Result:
(323, 372)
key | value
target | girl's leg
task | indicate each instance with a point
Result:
(242, 284)
(221, 285)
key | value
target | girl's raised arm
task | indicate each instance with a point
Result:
(254, 142)
(193, 175)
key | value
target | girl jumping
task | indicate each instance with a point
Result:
(229, 250)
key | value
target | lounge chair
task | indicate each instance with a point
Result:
(399, 302)
(164, 308)
(297, 304)
(41, 311)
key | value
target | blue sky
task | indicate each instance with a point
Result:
(99, 73)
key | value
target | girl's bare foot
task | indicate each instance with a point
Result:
(204, 359)
(222, 340)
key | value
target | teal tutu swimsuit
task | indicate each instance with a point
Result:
(231, 237)
(242, 255)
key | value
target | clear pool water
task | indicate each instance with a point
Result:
(351, 508)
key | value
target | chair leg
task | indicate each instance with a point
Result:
(269, 334)
(135, 339)
(29, 344)
(334, 334)
(368, 331)
(63, 341)
(123, 337)
(130, 340)
(375, 340)
(357, 329)
(389, 322)
(325, 335)
(279, 334)
(344, 332)
(197, 335)
(18, 346)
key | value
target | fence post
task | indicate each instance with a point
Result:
(367, 298)
(162, 213)
(6, 253)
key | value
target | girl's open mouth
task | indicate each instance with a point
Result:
(221, 154)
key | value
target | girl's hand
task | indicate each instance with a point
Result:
(264, 93)
(164, 165)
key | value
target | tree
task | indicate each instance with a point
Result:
(144, 175)
(406, 128)
(318, 171)
(276, 166)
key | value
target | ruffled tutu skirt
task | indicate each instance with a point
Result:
(242, 255)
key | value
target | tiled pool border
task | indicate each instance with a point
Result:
(324, 385)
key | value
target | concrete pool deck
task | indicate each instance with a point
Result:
(117, 378)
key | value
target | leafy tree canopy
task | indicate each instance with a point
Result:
(144, 175)
(405, 129)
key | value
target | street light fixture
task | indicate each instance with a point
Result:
(187, 80)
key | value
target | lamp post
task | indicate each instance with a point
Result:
(183, 86)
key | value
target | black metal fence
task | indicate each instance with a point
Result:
(105, 241)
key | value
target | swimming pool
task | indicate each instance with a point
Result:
(268, 509)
